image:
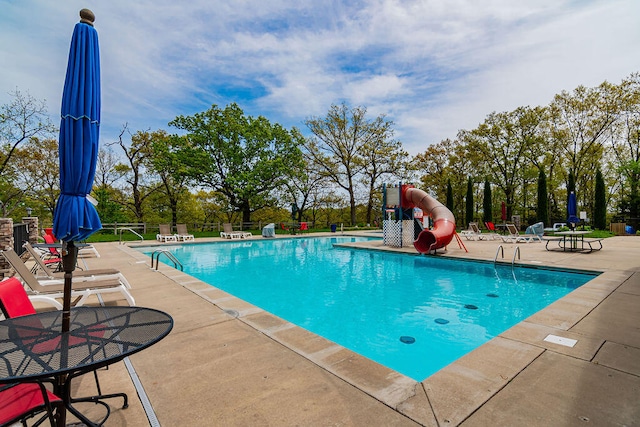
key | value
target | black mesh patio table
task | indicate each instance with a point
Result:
(33, 347)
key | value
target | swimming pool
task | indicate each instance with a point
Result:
(414, 314)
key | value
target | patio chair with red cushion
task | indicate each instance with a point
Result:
(19, 402)
(14, 302)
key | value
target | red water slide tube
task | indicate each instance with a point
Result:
(444, 223)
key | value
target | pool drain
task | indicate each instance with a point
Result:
(407, 339)
(441, 321)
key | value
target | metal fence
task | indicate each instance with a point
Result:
(143, 227)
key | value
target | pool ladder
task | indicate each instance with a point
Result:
(156, 256)
(516, 251)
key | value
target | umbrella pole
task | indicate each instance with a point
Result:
(69, 260)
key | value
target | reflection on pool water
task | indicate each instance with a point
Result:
(414, 314)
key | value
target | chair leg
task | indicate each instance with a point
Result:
(97, 399)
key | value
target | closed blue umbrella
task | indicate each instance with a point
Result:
(572, 210)
(75, 217)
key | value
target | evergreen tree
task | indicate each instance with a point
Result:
(469, 201)
(487, 204)
(600, 203)
(449, 203)
(542, 211)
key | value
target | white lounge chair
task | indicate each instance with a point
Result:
(182, 234)
(228, 232)
(514, 235)
(83, 287)
(165, 234)
(42, 269)
(473, 232)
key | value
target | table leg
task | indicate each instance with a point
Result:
(59, 390)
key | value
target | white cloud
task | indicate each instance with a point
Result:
(432, 67)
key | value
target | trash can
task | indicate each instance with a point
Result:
(333, 228)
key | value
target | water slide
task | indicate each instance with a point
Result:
(444, 223)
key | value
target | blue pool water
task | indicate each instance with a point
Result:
(414, 314)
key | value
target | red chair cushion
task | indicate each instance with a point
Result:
(22, 399)
(14, 299)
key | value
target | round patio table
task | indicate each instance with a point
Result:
(34, 348)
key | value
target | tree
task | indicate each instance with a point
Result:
(487, 203)
(107, 174)
(469, 201)
(304, 188)
(39, 173)
(542, 209)
(137, 154)
(23, 118)
(20, 120)
(625, 146)
(347, 145)
(600, 203)
(169, 161)
(582, 120)
(243, 158)
(449, 203)
(503, 142)
(381, 156)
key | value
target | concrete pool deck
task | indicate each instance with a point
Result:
(227, 362)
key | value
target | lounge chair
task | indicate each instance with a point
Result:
(83, 287)
(493, 231)
(228, 232)
(83, 248)
(52, 263)
(473, 232)
(514, 235)
(48, 273)
(182, 234)
(165, 234)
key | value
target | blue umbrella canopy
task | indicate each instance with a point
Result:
(75, 217)
(572, 209)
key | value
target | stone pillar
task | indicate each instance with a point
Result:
(6, 242)
(32, 226)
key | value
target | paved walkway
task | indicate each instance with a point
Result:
(229, 363)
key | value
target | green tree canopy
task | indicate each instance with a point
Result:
(242, 157)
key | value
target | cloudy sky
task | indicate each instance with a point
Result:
(431, 66)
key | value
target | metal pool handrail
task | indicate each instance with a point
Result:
(515, 251)
(501, 250)
(156, 255)
(120, 230)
